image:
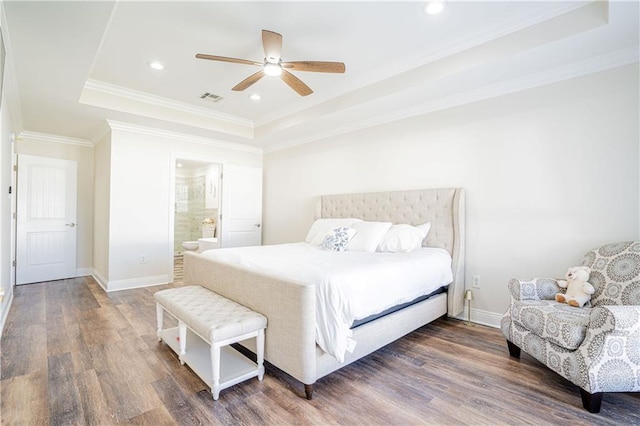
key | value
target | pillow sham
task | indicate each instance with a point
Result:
(368, 235)
(337, 239)
(321, 227)
(404, 238)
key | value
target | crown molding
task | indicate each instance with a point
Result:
(100, 132)
(146, 98)
(498, 48)
(45, 137)
(181, 137)
(601, 63)
(535, 28)
(493, 33)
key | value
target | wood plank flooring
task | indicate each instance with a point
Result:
(73, 354)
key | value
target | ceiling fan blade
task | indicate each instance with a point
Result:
(315, 66)
(247, 82)
(295, 83)
(272, 44)
(225, 59)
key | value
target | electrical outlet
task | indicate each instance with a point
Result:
(476, 281)
(143, 259)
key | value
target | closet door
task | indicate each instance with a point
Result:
(241, 223)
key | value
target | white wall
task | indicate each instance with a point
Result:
(6, 163)
(9, 124)
(83, 156)
(140, 194)
(549, 173)
(101, 188)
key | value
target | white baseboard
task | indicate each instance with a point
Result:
(99, 279)
(128, 284)
(83, 272)
(490, 319)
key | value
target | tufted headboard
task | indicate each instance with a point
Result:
(443, 207)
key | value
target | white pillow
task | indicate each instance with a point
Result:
(337, 239)
(368, 235)
(321, 227)
(404, 238)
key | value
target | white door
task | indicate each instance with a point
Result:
(241, 223)
(46, 223)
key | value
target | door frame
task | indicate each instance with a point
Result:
(14, 214)
(175, 156)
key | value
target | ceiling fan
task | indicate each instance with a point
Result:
(274, 66)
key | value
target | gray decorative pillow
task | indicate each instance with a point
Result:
(337, 239)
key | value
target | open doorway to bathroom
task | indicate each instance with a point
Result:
(196, 209)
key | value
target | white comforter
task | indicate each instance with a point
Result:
(350, 285)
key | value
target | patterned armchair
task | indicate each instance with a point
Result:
(596, 347)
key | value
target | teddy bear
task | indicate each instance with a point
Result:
(579, 290)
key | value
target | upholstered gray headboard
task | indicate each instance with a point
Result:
(443, 207)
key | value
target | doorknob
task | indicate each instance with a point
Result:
(71, 225)
(257, 225)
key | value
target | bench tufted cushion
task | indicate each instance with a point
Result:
(559, 323)
(209, 314)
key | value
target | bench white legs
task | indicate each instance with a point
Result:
(215, 368)
(159, 317)
(258, 371)
(182, 339)
(210, 332)
(182, 331)
(260, 354)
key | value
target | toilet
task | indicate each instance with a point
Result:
(207, 244)
(190, 245)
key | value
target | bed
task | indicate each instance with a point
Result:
(290, 304)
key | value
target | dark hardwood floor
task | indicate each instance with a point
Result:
(73, 354)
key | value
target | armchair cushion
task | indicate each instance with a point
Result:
(558, 323)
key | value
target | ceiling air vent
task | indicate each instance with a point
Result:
(211, 97)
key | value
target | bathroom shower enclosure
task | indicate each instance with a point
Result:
(196, 202)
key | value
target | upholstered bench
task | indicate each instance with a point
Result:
(207, 324)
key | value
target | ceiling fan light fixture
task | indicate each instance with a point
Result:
(255, 97)
(272, 70)
(434, 7)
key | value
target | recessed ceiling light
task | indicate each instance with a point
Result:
(255, 97)
(434, 7)
(156, 65)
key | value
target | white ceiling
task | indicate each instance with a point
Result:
(77, 64)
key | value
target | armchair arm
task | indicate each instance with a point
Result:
(618, 320)
(610, 352)
(535, 289)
